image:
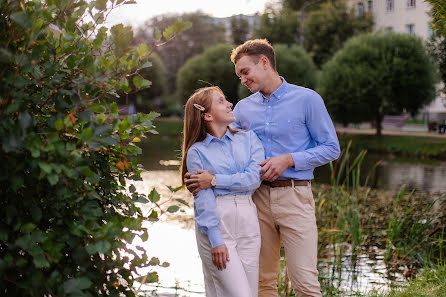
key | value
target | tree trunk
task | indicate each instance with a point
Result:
(378, 119)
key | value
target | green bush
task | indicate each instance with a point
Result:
(294, 64)
(375, 75)
(67, 207)
(214, 67)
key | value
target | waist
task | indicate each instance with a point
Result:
(286, 183)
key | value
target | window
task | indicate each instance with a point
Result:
(389, 29)
(369, 5)
(360, 9)
(430, 32)
(389, 5)
(410, 3)
(410, 29)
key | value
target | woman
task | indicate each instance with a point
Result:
(224, 162)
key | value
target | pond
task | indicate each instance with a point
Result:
(172, 239)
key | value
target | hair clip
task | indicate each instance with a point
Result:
(199, 107)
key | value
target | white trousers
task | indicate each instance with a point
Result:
(240, 230)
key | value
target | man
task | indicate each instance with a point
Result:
(298, 135)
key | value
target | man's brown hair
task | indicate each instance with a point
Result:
(254, 48)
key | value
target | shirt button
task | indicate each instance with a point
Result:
(269, 139)
(269, 106)
(267, 123)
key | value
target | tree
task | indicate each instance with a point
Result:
(203, 34)
(279, 26)
(439, 15)
(294, 64)
(67, 161)
(211, 67)
(239, 29)
(378, 74)
(438, 42)
(327, 28)
(157, 75)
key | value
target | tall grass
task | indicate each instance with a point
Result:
(350, 221)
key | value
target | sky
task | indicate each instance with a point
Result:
(137, 14)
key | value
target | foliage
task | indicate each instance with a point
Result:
(203, 34)
(294, 64)
(439, 15)
(327, 28)
(438, 41)
(279, 26)
(240, 29)
(299, 4)
(378, 74)
(211, 67)
(157, 75)
(68, 209)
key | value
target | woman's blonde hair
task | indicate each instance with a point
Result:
(194, 128)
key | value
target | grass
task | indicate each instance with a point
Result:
(430, 283)
(401, 145)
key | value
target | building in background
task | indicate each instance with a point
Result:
(405, 16)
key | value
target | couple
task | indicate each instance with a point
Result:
(246, 204)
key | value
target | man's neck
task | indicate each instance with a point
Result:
(274, 83)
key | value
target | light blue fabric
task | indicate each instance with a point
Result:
(234, 161)
(294, 120)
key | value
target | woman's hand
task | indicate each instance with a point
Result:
(220, 256)
(199, 181)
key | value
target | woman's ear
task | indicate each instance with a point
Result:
(207, 117)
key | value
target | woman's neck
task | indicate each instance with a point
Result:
(218, 131)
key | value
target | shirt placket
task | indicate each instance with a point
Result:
(225, 147)
(268, 127)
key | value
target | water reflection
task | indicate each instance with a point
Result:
(172, 239)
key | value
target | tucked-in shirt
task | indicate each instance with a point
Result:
(234, 161)
(294, 121)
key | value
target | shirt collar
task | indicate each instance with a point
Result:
(209, 137)
(278, 94)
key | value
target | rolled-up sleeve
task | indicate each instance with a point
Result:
(323, 133)
(205, 207)
(249, 178)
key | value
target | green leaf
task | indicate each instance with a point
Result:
(130, 2)
(173, 209)
(114, 108)
(25, 119)
(103, 246)
(153, 215)
(176, 28)
(141, 83)
(175, 189)
(59, 124)
(47, 168)
(182, 201)
(87, 134)
(165, 264)
(21, 18)
(27, 228)
(97, 108)
(154, 196)
(53, 179)
(154, 261)
(100, 4)
(142, 50)
(40, 261)
(132, 189)
(76, 284)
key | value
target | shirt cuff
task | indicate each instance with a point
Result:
(300, 162)
(222, 181)
(215, 237)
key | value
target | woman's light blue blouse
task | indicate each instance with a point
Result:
(234, 161)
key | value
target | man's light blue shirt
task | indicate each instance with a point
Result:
(234, 161)
(294, 121)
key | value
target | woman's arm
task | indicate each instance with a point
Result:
(205, 208)
(245, 181)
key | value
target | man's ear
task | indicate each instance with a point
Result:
(265, 62)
